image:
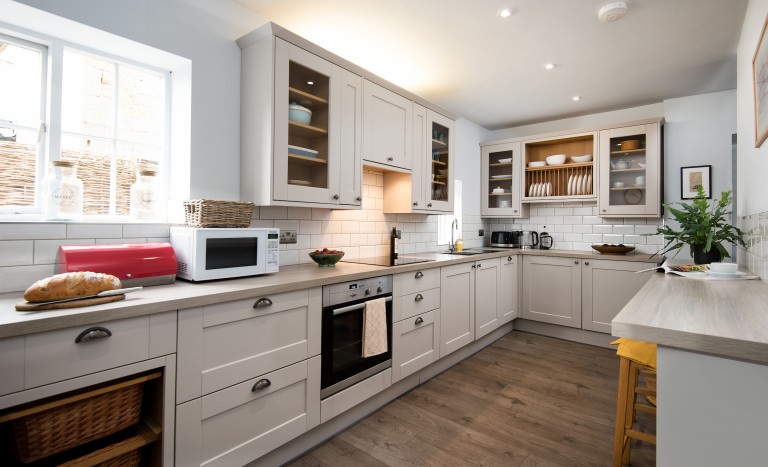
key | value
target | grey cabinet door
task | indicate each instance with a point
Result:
(457, 307)
(607, 287)
(552, 290)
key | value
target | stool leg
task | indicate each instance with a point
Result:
(630, 417)
(621, 412)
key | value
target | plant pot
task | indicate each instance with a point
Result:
(705, 257)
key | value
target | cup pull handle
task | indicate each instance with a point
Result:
(261, 384)
(263, 302)
(92, 334)
(419, 320)
(418, 298)
(419, 275)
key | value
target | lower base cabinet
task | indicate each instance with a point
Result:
(236, 425)
(581, 293)
(415, 344)
(457, 307)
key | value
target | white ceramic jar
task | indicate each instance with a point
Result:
(62, 192)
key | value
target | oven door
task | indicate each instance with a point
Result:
(342, 363)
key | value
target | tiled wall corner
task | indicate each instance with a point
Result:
(755, 257)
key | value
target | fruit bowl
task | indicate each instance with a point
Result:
(326, 258)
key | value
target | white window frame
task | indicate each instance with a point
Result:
(175, 161)
(445, 222)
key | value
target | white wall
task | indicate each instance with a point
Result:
(467, 168)
(752, 162)
(203, 31)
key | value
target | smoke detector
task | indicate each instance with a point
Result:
(612, 11)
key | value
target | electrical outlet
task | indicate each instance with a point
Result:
(481, 232)
(287, 236)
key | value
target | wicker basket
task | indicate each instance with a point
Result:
(53, 427)
(211, 213)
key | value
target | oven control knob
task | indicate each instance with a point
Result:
(380, 289)
(367, 292)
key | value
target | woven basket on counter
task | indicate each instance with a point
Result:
(212, 213)
(57, 425)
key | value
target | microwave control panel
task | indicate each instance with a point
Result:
(273, 248)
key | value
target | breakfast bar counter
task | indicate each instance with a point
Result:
(712, 367)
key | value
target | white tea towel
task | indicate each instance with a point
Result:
(375, 328)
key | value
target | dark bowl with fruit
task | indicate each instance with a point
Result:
(326, 258)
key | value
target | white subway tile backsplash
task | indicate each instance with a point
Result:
(583, 229)
(146, 230)
(593, 238)
(574, 220)
(299, 213)
(309, 227)
(602, 229)
(286, 224)
(110, 241)
(273, 212)
(624, 229)
(19, 278)
(94, 230)
(612, 238)
(17, 253)
(32, 231)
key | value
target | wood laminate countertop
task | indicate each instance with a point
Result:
(181, 294)
(722, 318)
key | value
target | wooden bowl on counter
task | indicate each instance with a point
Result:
(613, 249)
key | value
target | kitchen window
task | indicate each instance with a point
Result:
(60, 102)
(445, 223)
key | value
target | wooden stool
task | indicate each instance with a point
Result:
(627, 405)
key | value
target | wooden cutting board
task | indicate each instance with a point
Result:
(27, 306)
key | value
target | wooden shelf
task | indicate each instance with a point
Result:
(501, 194)
(559, 167)
(625, 188)
(304, 97)
(305, 131)
(628, 151)
(439, 162)
(435, 182)
(438, 143)
(500, 164)
(635, 169)
(499, 179)
(304, 160)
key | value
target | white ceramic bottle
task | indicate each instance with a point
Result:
(62, 192)
(144, 205)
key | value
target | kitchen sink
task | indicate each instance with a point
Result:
(463, 252)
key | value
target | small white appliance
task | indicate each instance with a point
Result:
(206, 254)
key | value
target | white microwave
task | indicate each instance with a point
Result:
(222, 253)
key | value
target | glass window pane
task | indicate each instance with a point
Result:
(94, 163)
(87, 95)
(18, 163)
(141, 97)
(20, 85)
(130, 160)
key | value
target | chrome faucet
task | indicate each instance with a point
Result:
(454, 226)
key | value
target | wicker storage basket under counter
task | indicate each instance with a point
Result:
(212, 213)
(55, 426)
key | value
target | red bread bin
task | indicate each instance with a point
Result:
(135, 264)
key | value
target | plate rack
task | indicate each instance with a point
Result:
(565, 180)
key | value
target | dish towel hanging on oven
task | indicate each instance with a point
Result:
(375, 327)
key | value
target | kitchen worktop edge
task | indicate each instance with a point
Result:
(181, 295)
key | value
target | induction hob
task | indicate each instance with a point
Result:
(384, 261)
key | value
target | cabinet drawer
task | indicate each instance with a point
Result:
(417, 281)
(419, 302)
(228, 343)
(67, 353)
(239, 424)
(415, 344)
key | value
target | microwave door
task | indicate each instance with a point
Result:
(234, 255)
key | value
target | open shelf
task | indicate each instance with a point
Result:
(439, 162)
(627, 151)
(305, 131)
(625, 188)
(304, 97)
(500, 164)
(304, 160)
(637, 169)
(559, 167)
(438, 143)
(435, 182)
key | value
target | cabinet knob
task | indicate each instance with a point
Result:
(605, 210)
(262, 303)
(480, 265)
(390, 158)
(509, 258)
(419, 275)
(575, 262)
(515, 210)
(418, 298)
(335, 196)
(415, 203)
(429, 205)
(359, 198)
(261, 384)
(586, 263)
(418, 321)
(92, 334)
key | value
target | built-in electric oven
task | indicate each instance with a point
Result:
(342, 361)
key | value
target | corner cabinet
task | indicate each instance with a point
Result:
(631, 171)
(287, 160)
(501, 181)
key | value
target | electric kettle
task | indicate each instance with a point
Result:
(545, 241)
(529, 239)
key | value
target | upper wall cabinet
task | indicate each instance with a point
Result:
(388, 130)
(501, 180)
(560, 167)
(301, 127)
(630, 167)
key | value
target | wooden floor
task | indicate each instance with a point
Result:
(527, 400)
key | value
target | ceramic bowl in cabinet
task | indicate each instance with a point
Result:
(299, 114)
(537, 164)
(556, 159)
(585, 158)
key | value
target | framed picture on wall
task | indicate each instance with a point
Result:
(760, 77)
(691, 178)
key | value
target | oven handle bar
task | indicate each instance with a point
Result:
(359, 306)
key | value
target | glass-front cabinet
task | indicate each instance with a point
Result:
(501, 179)
(440, 144)
(630, 168)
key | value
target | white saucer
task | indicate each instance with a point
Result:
(726, 274)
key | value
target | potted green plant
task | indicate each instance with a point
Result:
(703, 228)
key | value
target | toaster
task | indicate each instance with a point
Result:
(135, 264)
(506, 239)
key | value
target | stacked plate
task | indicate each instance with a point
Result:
(537, 190)
(579, 185)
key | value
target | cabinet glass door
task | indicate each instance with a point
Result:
(440, 160)
(630, 171)
(501, 173)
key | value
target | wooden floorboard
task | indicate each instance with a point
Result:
(524, 401)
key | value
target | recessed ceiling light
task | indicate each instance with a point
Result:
(549, 66)
(576, 98)
(507, 12)
(310, 83)
(612, 11)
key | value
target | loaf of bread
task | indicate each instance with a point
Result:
(70, 285)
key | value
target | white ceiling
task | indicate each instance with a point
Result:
(460, 55)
